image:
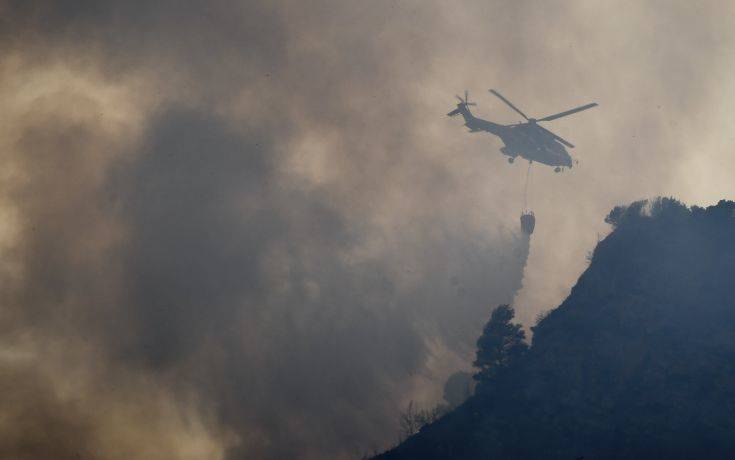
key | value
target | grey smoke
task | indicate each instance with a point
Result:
(230, 283)
(300, 324)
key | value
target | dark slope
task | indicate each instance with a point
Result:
(638, 362)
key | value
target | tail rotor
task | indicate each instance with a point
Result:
(466, 100)
(462, 105)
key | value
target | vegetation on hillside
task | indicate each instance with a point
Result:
(638, 361)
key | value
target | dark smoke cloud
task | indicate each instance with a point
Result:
(228, 280)
(249, 287)
(294, 263)
(269, 349)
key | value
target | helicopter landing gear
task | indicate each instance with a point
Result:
(557, 169)
(511, 160)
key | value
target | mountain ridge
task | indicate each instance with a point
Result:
(637, 362)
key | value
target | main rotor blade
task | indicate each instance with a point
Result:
(460, 99)
(568, 112)
(558, 138)
(466, 95)
(509, 103)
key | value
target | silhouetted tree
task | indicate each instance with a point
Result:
(500, 344)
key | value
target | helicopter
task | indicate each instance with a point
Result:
(528, 139)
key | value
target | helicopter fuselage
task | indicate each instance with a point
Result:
(525, 140)
(530, 143)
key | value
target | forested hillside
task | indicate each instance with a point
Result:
(638, 362)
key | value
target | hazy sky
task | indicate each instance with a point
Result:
(248, 228)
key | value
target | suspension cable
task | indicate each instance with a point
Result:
(525, 189)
